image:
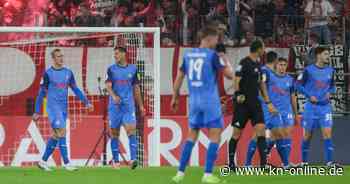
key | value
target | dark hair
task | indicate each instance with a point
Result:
(256, 45)
(320, 50)
(120, 48)
(282, 59)
(207, 31)
(271, 56)
(54, 51)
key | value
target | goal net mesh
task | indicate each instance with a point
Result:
(24, 58)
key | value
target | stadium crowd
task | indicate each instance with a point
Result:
(279, 22)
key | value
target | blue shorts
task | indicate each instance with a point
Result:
(57, 117)
(121, 114)
(317, 116)
(280, 120)
(205, 116)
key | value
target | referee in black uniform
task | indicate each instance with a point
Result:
(248, 83)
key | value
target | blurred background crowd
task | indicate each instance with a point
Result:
(279, 22)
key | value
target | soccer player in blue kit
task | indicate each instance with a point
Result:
(55, 83)
(201, 66)
(316, 83)
(123, 87)
(282, 91)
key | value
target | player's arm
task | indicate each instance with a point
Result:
(79, 93)
(177, 85)
(332, 88)
(263, 91)
(300, 85)
(44, 85)
(293, 98)
(238, 95)
(109, 87)
(227, 68)
(137, 93)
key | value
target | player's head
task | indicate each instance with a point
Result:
(209, 37)
(57, 57)
(281, 66)
(258, 47)
(322, 54)
(120, 54)
(271, 57)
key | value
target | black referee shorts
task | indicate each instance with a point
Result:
(248, 110)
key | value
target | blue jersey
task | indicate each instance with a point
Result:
(317, 82)
(280, 88)
(201, 66)
(55, 85)
(123, 79)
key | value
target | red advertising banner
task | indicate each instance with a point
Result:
(23, 141)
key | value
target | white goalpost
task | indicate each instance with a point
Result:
(88, 51)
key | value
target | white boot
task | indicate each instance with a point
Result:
(43, 165)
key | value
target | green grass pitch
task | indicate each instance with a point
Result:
(155, 175)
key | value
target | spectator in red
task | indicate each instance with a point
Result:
(149, 14)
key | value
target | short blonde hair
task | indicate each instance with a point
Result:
(54, 51)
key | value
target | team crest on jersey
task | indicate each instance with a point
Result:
(256, 70)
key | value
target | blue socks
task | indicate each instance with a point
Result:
(212, 154)
(288, 145)
(50, 147)
(250, 152)
(281, 148)
(132, 147)
(328, 150)
(186, 155)
(305, 148)
(63, 149)
(115, 149)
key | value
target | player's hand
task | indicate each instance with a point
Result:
(240, 99)
(223, 101)
(142, 111)
(90, 107)
(272, 108)
(116, 99)
(313, 99)
(174, 104)
(35, 117)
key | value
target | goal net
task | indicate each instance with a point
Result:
(88, 52)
